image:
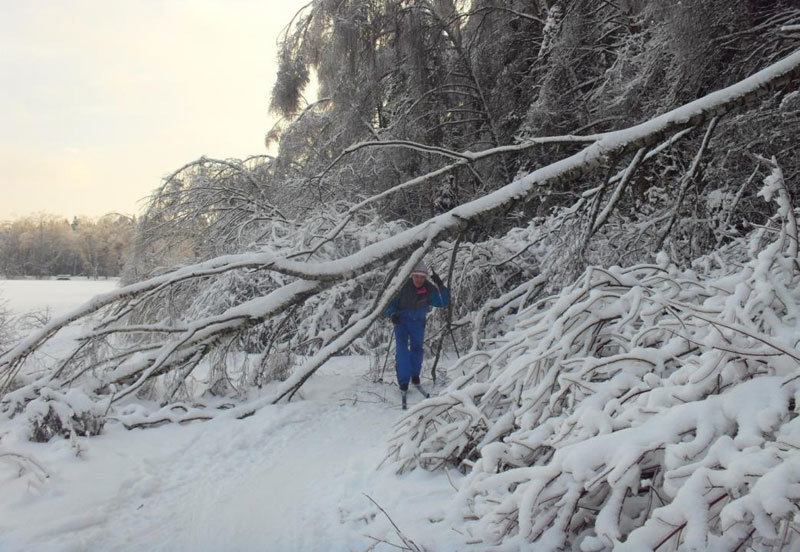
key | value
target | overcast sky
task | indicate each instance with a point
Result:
(99, 99)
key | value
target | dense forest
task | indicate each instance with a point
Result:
(608, 188)
(45, 245)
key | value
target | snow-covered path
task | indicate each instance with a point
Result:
(291, 477)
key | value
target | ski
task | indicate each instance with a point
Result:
(404, 395)
(422, 390)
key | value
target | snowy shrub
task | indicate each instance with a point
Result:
(640, 408)
(279, 367)
(50, 413)
(262, 369)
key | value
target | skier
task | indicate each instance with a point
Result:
(407, 312)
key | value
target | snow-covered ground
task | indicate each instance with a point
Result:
(295, 476)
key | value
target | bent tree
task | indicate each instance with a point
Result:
(136, 341)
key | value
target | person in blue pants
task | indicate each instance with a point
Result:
(407, 312)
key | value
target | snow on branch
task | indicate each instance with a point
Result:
(127, 347)
(642, 408)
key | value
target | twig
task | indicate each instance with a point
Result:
(449, 312)
(411, 545)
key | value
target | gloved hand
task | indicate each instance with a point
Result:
(436, 279)
(395, 318)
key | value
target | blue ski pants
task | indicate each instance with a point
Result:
(409, 336)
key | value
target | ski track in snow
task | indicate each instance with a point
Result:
(291, 477)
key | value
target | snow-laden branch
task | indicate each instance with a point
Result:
(638, 407)
(300, 281)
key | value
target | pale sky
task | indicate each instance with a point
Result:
(100, 99)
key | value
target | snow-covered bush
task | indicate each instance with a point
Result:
(49, 412)
(641, 408)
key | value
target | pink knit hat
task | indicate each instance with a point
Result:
(420, 270)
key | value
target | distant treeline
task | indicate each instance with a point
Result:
(43, 245)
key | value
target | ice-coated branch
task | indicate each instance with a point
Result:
(687, 180)
(646, 408)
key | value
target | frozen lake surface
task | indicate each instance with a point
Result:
(60, 296)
